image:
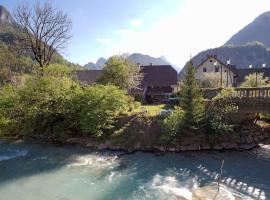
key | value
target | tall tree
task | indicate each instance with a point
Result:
(7, 60)
(255, 80)
(45, 30)
(119, 71)
(191, 101)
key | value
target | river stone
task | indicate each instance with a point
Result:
(210, 193)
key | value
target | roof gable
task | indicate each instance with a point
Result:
(159, 75)
(88, 76)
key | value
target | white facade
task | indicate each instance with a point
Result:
(218, 69)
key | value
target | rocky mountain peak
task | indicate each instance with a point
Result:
(5, 16)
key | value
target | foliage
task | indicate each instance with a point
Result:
(56, 70)
(8, 109)
(99, 106)
(250, 80)
(119, 71)
(221, 112)
(225, 93)
(6, 60)
(171, 126)
(210, 80)
(191, 101)
(220, 115)
(45, 30)
(54, 105)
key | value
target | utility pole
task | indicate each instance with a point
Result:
(256, 78)
(221, 85)
(228, 65)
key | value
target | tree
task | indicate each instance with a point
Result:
(250, 80)
(7, 59)
(210, 80)
(45, 30)
(171, 126)
(191, 101)
(120, 72)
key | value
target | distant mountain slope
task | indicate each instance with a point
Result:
(258, 30)
(241, 56)
(5, 16)
(135, 58)
(96, 66)
(251, 45)
(8, 29)
(146, 59)
(9, 32)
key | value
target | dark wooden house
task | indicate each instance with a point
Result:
(88, 77)
(158, 83)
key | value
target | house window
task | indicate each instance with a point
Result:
(204, 69)
(216, 69)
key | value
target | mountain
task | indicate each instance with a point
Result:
(9, 32)
(96, 66)
(146, 59)
(8, 28)
(258, 30)
(136, 58)
(251, 45)
(5, 16)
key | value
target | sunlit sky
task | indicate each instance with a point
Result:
(175, 29)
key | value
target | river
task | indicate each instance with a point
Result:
(49, 172)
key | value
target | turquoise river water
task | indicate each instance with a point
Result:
(49, 172)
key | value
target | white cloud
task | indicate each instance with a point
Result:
(135, 22)
(197, 26)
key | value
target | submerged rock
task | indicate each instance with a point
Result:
(211, 192)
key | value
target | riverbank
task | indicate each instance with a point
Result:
(247, 138)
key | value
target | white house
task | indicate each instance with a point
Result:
(225, 72)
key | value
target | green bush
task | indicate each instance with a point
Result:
(9, 109)
(55, 106)
(98, 107)
(250, 80)
(171, 126)
(221, 113)
(210, 80)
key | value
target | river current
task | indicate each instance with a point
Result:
(49, 172)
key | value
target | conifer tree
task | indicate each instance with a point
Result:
(191, 101)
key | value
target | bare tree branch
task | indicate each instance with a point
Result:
(45, 30)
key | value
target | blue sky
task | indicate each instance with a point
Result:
(173, 28)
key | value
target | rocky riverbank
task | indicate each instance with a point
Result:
(249, 137)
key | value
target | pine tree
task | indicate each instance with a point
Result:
(191, 101)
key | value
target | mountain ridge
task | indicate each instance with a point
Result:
(136, 58)
(250, 45)
(254, 31)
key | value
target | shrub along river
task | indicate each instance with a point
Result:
(48, 172)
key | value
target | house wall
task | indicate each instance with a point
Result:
(210, 68)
